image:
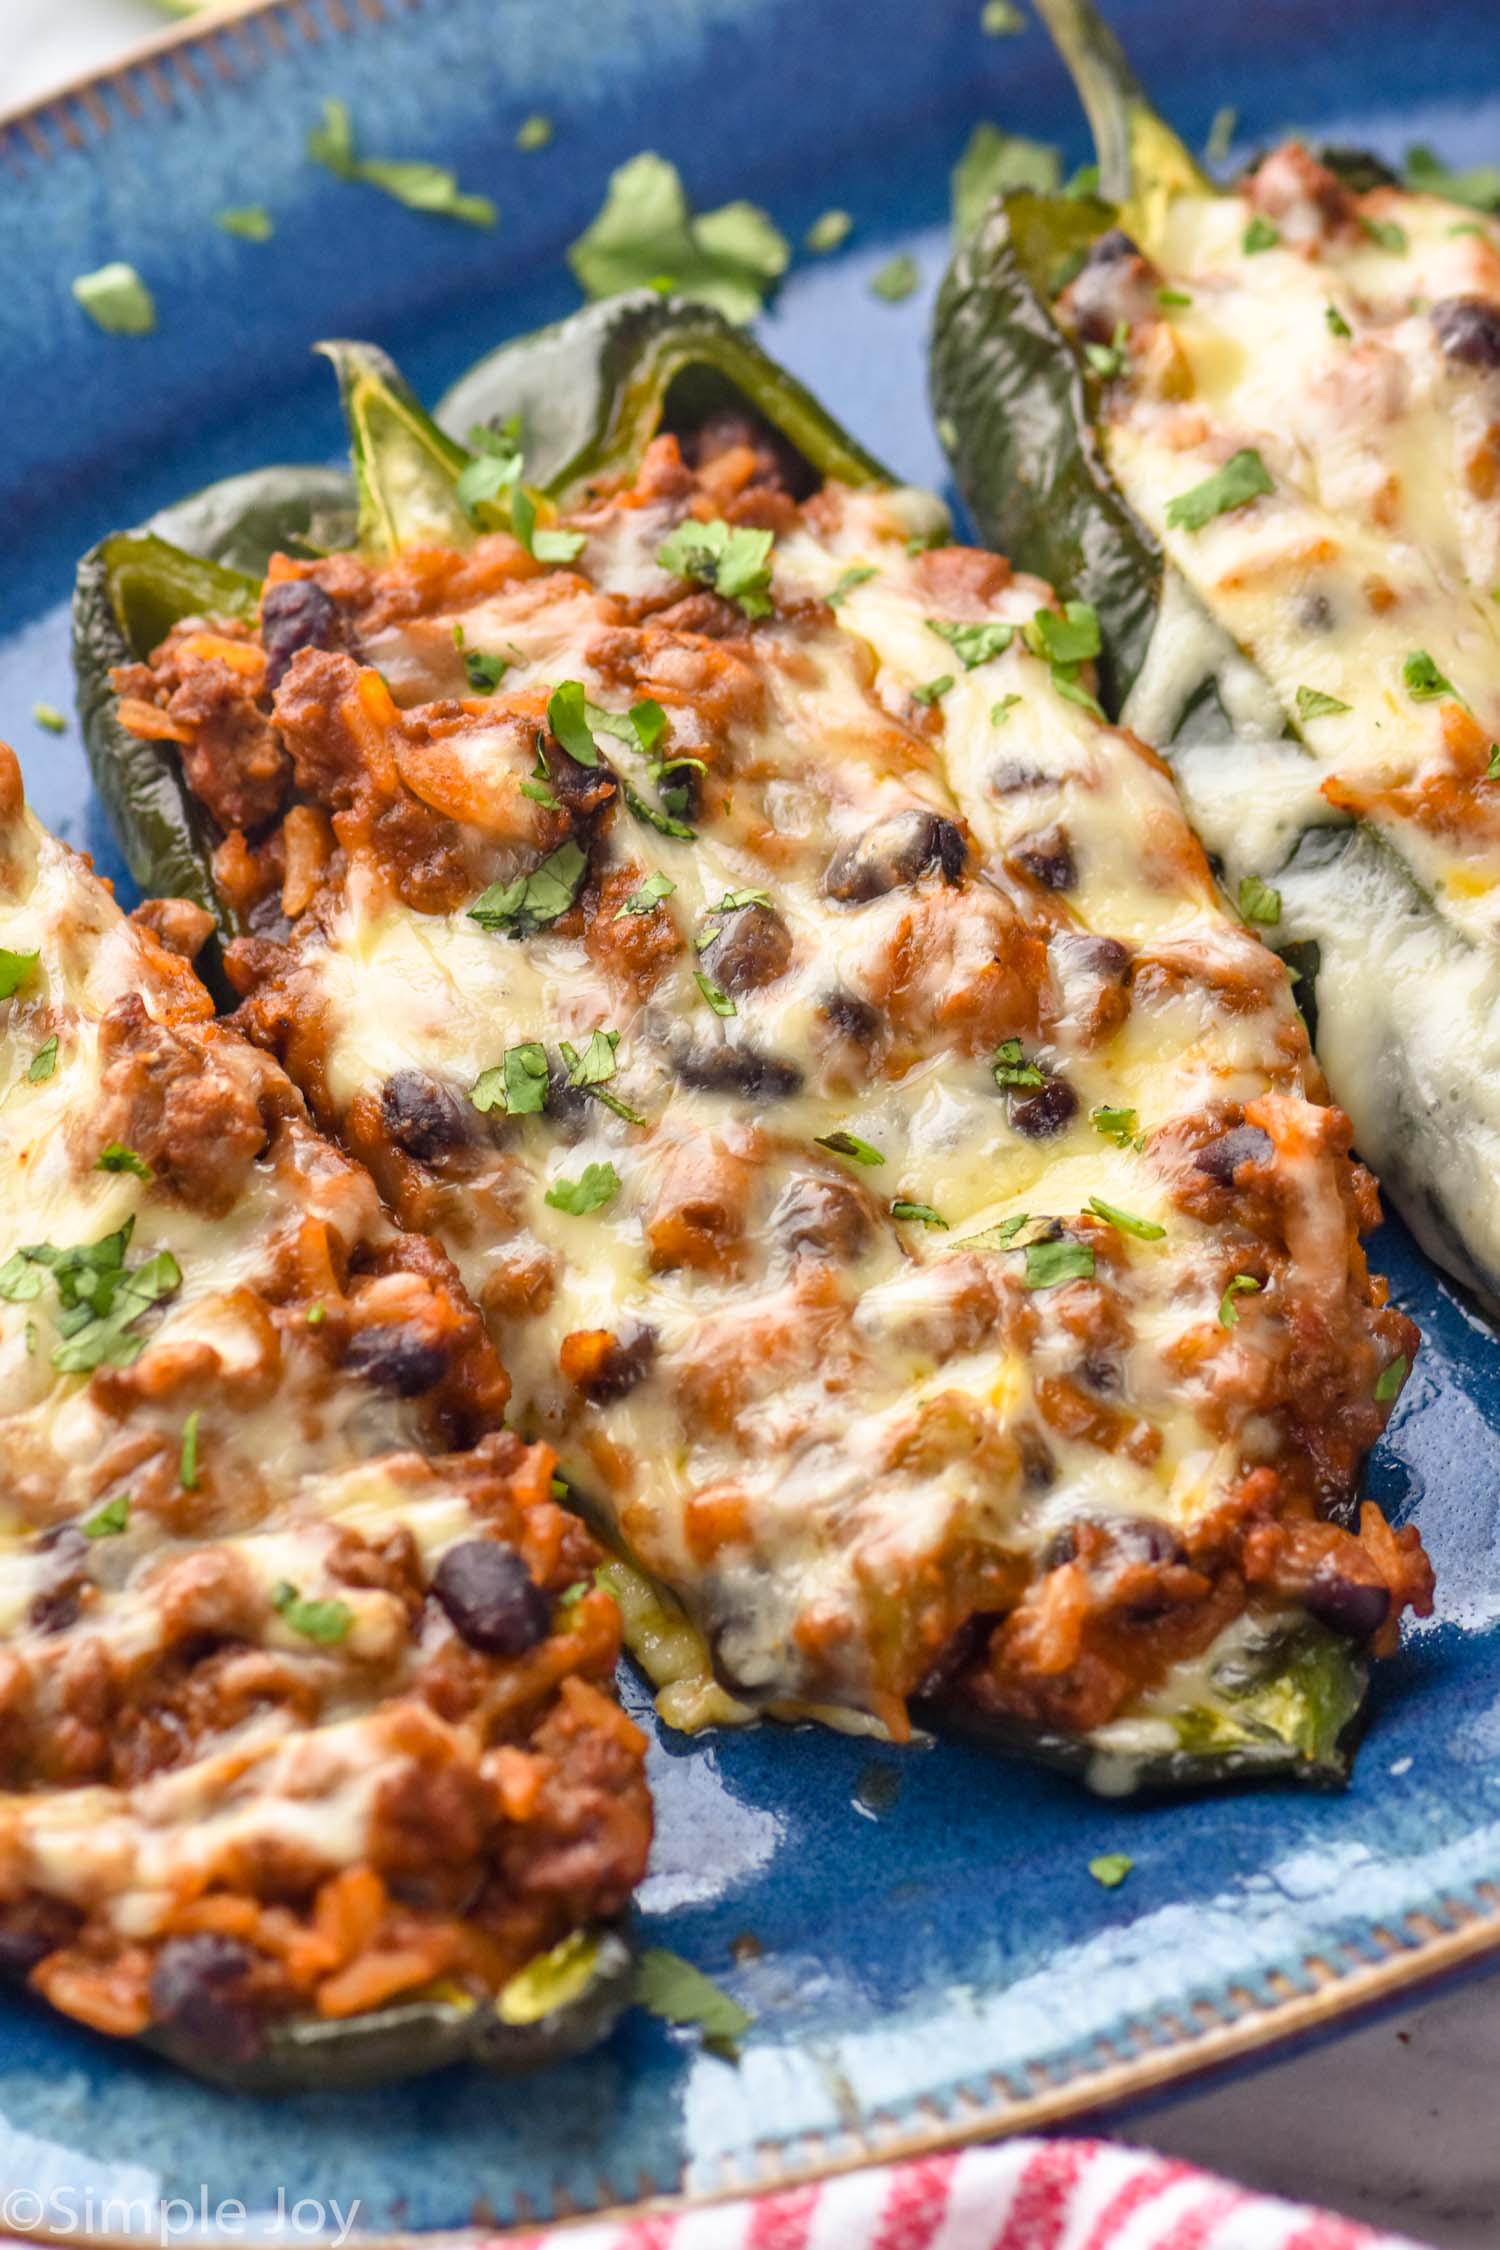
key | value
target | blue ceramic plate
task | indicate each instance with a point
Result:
(917, 1933)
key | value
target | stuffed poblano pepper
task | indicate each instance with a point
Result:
(1258, 428)
(311, 1770)
(713, 905)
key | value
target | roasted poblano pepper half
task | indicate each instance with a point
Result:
(1250, 427)
(1264, 1703)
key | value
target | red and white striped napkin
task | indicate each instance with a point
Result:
(1023, 2195)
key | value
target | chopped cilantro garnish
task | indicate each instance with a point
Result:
(663, 823)
(484, 673)
(316, 1315)
(1259, 235)
(99, 1300)
(1008, 1229)
(1258, 900)
(15, 970)
(1049, 1263)
(933, 691)
(1479, 187)
(1312, 703)
(252, 222)
(546, 545)
(568, 719)
(1385, 234)
(670, 1988)
(532, 133)
(847, 580)
(1243, 478)
(1110, 1869)
(1172, 299)
(896, 279)
(651, 893)
(531, 901)
(116, 299)
(43, 1062)
(419, 185)
(496, 466)
(641, 727)
(110, 1520)
(1111, 359)
(1492, 770)
(116, 1157)
(647, 236)
(717, 999)
(1001, 19)
(828, 232)
(1144, 1230)
(1221, 135)
(850, 1145)
(538, 787)
(972, 644)
(923, 1212)
(593, 1189)
(49, 718)
(1072, 638)
(327, 1622)
(1239, 1285)
(1001, 711)
(1423, 682)
(1117, 1125)
(1391, 1378)
(596, 1064)
(1337, 325)
(187, 1459)
(735, 561)
(517, 1084)
(1011, 1067)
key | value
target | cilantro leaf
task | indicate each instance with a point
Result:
(1423, 682)
(896, 279)
(517, 1084)
(1011, 1067)
(1111, 359)
(15, 970)
(110, 1520)
(116, 299)
(717, 999)
(187, 1459)
(1174, 299)
(1336, 323)
(421, 186)
(670, 1988)
(1479, 187)
(933, 691)
(547, 545)
(663, 823)
(1385, 234)
(1258, 900)
(1312, 703)
(484, 673)
(568, 721)
(532, 133)
(646, 236)
(1072, 638)
(1001, 711)
(1259, 235)
(97, 1334)
(595, 1186)
(327, 1622)
(1117, 1125)
(590, 1070)
(850, 1145)
(651, 893)
(1144, 1230)
(43, 1062)
(735, 562)
(1050, 1263)
(531, 901)
(827, 233)
(922, 1212)
(116, 1157)
(1239, 1285)
(847, 580)
(252, 222)
(992, 163)
(49, 718)
(496, 466)
(1110, 1869)
(972, 644)
(1243, 478)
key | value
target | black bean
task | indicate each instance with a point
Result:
(1011, 776)
(1048, 856)
(200, 1988)
(421, 1116)
(857, 1019)
(826, 1215)
(1105, 957)
(1045, 1111)
(626, 1363)
(1315, 613)
(1132, 1539)
(59, 1598)
(1468, 328)
(1109, 287)
(1038, 1468)
(295, 614)
(893, 854)
(397, 1359)
(32, 1929)
(750, 947)
(490, 1597)
(1346, 1604)
(1222, 1158)
(1100, 1375)
(731, 1069)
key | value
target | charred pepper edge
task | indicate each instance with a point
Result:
(598, 387)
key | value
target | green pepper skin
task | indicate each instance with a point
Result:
(411, 2039)
(590, 394)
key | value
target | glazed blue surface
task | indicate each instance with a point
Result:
(924, 1922)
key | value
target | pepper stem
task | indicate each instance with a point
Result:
(1142, 163)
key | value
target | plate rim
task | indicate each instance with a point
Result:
(1170, 2042)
